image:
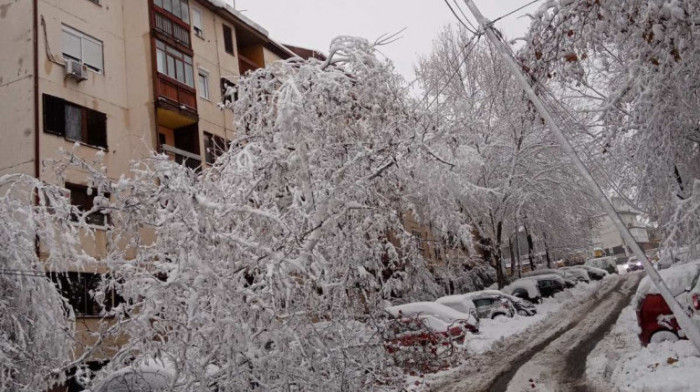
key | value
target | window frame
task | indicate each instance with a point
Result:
(183, 59)
(53, 107)
(204, 92)
(197, 27)
(184, 6)
(65, 29)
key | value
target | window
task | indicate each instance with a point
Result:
(79, 288)
(228, 39)
(175, 64)
(74, 122)
(197, 23)
(225, 96)
(178, 8)
(214, 147)
(85, 201)
(173, 30)
(83, 48)
(203, 85)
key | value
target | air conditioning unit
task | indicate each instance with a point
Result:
(76, 70)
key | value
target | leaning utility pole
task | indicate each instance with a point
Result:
(684, 321)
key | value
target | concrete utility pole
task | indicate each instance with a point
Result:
(684, 321)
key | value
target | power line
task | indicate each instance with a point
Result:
(458, 18)
(514, 11)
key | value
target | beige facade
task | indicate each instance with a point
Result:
(122, 101)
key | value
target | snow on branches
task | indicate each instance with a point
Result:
(258, 269)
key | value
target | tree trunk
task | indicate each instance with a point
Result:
(500, 270)
(530, 248)
(512, 257)
(546, 251)
(517, 254)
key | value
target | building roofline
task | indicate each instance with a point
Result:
(241, 20)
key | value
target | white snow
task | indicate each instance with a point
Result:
(620, 363)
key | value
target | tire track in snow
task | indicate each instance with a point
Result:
(561, 365)
(493, 370)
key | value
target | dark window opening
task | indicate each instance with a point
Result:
(228, 39)
(215, 146)
(79, 289)
(228, 98)
(74, 122)
(84, 202)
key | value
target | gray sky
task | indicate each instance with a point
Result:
(313, 23)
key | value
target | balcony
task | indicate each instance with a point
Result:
(245, 64)
(176, 94)
(182, 157)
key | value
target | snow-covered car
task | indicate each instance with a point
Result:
(593, 272)
(576, 273)
(524, 289)
(153, 376)
(549, 284)
(467, 321)
(634, 264)
(569, 283)
(489, 303)
(607, 263)
(522, 308)
(654, 316)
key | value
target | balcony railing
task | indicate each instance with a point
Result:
(189, 159)
(176, 93)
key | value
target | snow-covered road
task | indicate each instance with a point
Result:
(550, 356)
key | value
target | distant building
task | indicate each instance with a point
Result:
(605, 235)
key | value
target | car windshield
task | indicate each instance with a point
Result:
(481, 302)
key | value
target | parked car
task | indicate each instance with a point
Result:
(548, 285)
(593, 272)
(151, 376)
(654, 316)
(468, 321)
(576, 273)
(569, 283)
(488, 303)
(522, 308)
(526, 289)
(607, 263)
(634, 264)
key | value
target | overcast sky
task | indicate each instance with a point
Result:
(313, 23)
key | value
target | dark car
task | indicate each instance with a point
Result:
(654, 316)
(549, 284)
(522, 308)
(633, 264)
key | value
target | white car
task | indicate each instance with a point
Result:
(430, 310)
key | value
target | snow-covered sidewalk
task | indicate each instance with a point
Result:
(620, 363)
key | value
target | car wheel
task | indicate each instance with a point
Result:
(663, 336)
(522, 313)
(498, 316)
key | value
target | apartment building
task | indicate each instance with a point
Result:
(122, 78)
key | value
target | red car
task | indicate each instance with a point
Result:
(654, 316)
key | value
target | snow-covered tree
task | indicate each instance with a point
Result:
(636, 64)
(260, 268)
(506, 167)
(36, 236)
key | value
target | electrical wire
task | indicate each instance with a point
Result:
(458, 18)
(514, 11)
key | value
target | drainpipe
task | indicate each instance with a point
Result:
(35, 37)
